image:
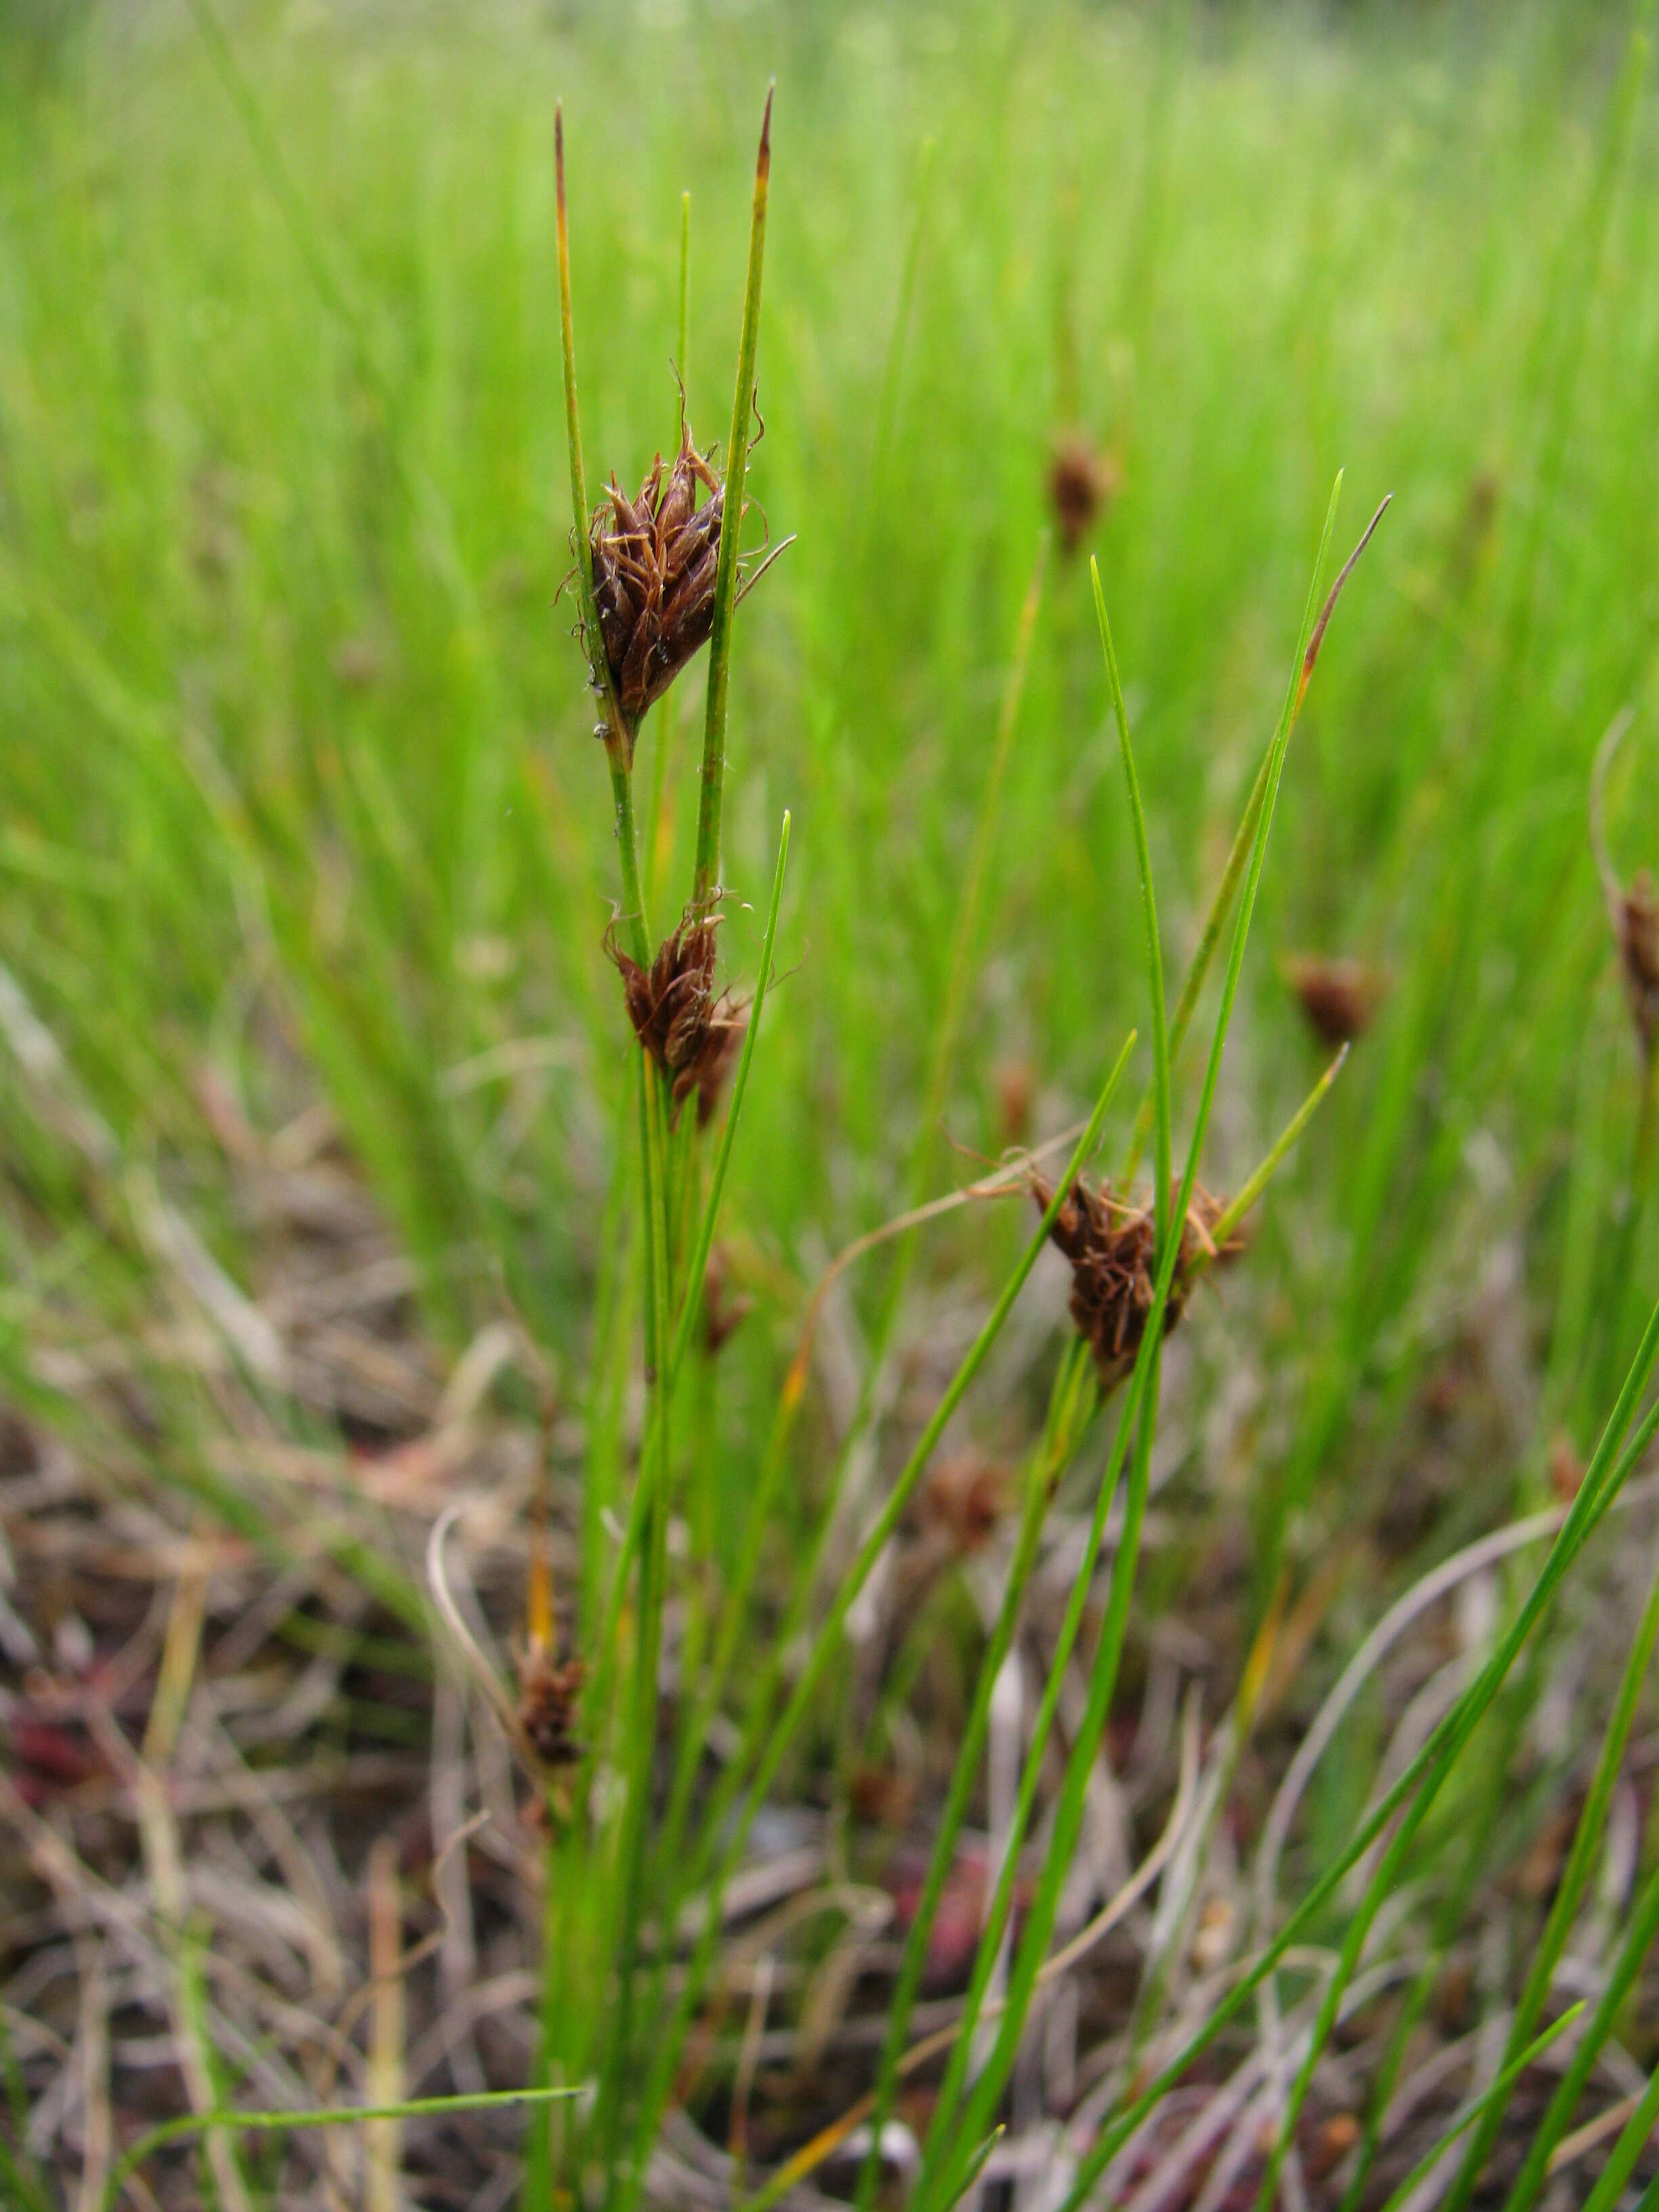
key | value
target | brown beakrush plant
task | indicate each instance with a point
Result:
(1112, 1245)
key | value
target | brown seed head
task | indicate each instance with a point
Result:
(654, 563)
(964, 1499)
(689, 1033)
(549, 1690)
(1637, 919)
(1339, 997)
(1110, 1242)
(1081, 480)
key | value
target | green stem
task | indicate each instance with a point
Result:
(1149, 909)
(1575, 1879)
(1044, 1473)
(707, 878)
(827, 1638)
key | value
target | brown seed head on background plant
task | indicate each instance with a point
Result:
(1339, 997)
(689, 1033)
(1633, 910)
(1112, 1244)
(549, 1690)
(1637, 921)
(1081, 480)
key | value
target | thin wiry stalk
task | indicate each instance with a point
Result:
(940, 2168)
(706, 877)
(653, 1482)
(1489, 1681)
(1249, 1191)
(1495, 2101)
(1047, 1463)
(691, 1301)
(829, 1634)
(1636, 2134)
(616, 730)
(1243, 840)
(940, 1057)
(1608, 1472)
(1639, 1935)
(698, 1264)
(1575, 1879)
(1149, 909)
(659, 837)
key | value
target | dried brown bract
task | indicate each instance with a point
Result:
(1082, 480)
(1636, 919)
(689, 1032)
(1110, 1242)
(548, 1692)
(1339, 997)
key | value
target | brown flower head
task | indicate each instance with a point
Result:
(654, 559)
(1637, 921)
(689, 1032)
(549, 1690)
(1081, 480)
(1339, 997)
(1110, 1242)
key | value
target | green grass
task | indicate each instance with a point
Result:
(300, 788)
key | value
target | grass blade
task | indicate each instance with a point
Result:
(713, 786)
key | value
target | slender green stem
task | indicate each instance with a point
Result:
(1575, 1879)
(1046, 1464)
(940, 2165)
(706, 877)
(1643, 1928)
(1494, 2101)
(1148, 907)
(692, 1296)
(1636, 2134)
(653, 1484)
(692, 1301)
(1243, 844)
(827, 1638)
(1426, 1772)
(1248, 1192)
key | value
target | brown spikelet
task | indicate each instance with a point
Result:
(654, 562)
(549, 1690)
(689, 1032)
(1339, 997)
(1636, 921)
(1110, 1242)
(1081, 482)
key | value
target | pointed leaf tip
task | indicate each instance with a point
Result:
(764, 163)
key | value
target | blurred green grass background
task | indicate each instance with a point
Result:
(297, 783)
